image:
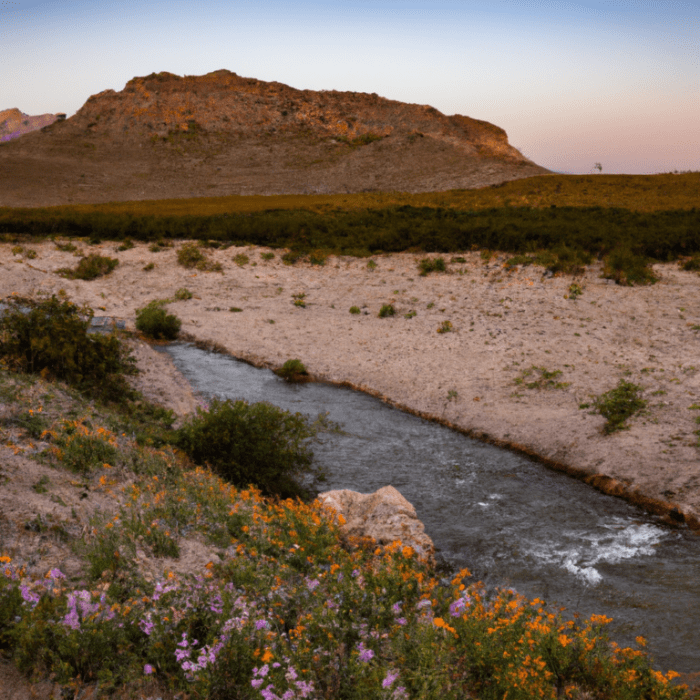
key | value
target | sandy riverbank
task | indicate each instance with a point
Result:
(504, 324)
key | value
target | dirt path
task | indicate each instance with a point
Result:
(504, 324)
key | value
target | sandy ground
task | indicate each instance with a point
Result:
(504, 324)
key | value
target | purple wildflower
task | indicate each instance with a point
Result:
(305, 688)
(365, 654)
(389, 680)
(148, 669)
(29, 596)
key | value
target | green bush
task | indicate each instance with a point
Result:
(619, 404)
(257, 444)
(90, 268)
(626, 268)
(190, 255)
(51, 337)
(154, 322)
(354, 309)
(445, 327)
(241, 259)
(428, 265)
(387, 310)
(293, 371)
(692, 265)
(183, 294)
(128, 244)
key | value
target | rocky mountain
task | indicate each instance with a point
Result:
(14, 123)
(166, 136)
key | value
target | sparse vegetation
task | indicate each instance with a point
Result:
(627, 268)
(183, 294)
(241, 259)
(354, 309)
(386, 311)
(540, 378)
(293, 371)
(445, 327)
(428, 265)
(90, 268)
(267, 256)
(299, 300)
(618, 405)
(190, 255)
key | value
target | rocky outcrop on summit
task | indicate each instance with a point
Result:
(14, 123)
(385, 515)
(219, 134)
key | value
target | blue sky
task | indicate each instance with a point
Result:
(573, 83)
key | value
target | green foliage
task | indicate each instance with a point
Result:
(318, 257)
(154, 322)
(354, 309)
(241, 259)
(85, 453)
(627, 268)
(235, 310)
(33, 422)
(150, 266)
(619, 404)
(257, 444)
(445, 327)
(51, 337)
(267, 256)
(127, 244)
(543, 378)
(190, 255)
(428, 265)
(410, 314)
(183, 294)
(693, 264)
(299, 300)
(371, 265)
(452, 224)
(66, 247)
(575, 291)
(90, 267)
(386, 311)
(293, 371)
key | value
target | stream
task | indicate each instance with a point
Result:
(511, 521)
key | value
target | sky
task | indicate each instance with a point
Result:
(614, 82)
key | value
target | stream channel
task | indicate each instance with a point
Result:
(511, 521)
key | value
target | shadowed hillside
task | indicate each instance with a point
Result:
(164, 136)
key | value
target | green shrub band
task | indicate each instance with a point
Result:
(567, 231)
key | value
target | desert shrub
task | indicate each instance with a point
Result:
(627, 268)
(154, 322)
(692, 265)
(33, 422)
(410, 314)
(183, 294)
(51, 337)
(445, 327)
(371, 265)
(293, 371)
(90, 267)
(127, 244)
(85, 453)
(267, 256)
(241, 259)
(149, 267)
(293, 256)
(619, 404)
(318, 257)
(428, 265)
(190, 255)
(235, 309)
(541, 378)
(354, 309)
(386, 311)
(257, 444)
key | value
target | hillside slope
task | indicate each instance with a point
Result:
(164, 136)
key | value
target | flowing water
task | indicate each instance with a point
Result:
(511, 521)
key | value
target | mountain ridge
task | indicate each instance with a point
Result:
(166, 136)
